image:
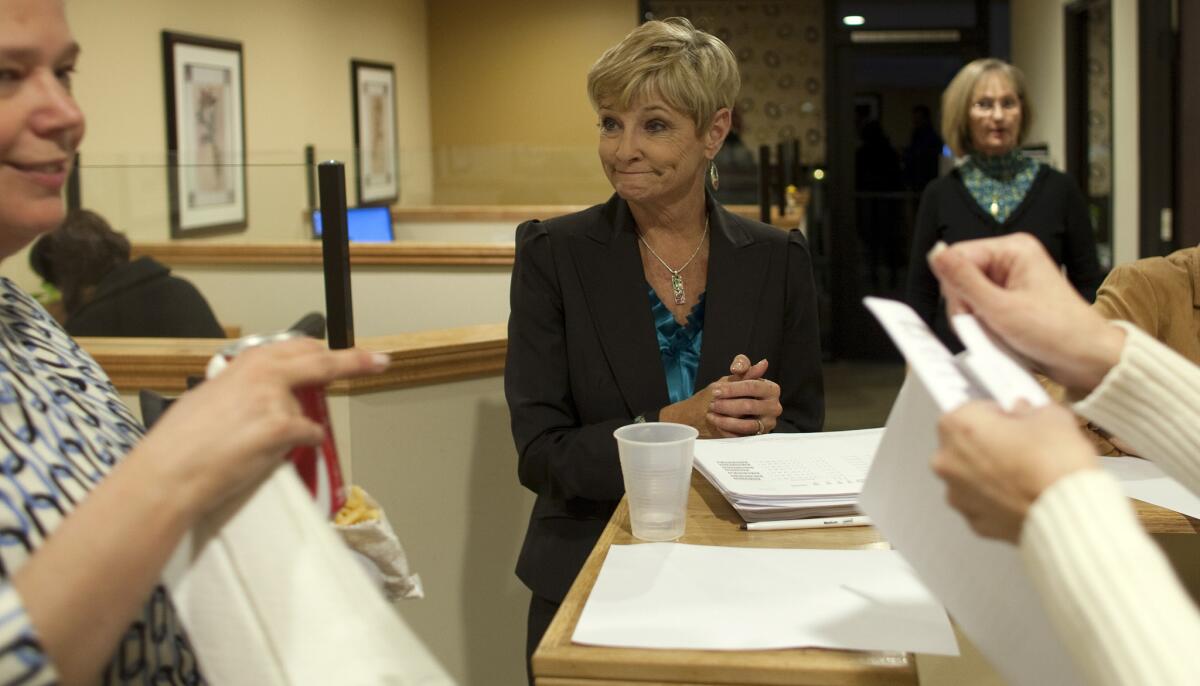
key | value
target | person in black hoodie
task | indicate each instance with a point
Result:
(106, 294)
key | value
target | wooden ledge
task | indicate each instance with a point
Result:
(481, 213)
(309, 254)
(422, 358)
(520, 213)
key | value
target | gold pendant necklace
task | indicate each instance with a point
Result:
(676, 279)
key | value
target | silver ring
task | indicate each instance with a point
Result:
(761, 428)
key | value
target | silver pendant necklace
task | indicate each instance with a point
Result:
(676, 279)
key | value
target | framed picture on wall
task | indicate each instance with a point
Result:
(376, 166)
(206, 134)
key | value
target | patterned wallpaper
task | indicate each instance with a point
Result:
(1099, 52)
(780, 50)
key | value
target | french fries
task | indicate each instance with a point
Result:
(356, 510)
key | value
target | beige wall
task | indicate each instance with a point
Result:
(297, 91)
(440, 460)
(1037, 48)
(511, 119)
(387, 300)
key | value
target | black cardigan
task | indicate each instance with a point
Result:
(142, 299)
(1053, 210)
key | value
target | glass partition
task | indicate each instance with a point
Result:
(457, 194)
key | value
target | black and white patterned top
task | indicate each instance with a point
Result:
(62, 428)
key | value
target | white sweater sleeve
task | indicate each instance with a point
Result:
(1107, 587)
(1109, 590)
(1151, 399)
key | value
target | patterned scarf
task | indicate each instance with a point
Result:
(999, 183)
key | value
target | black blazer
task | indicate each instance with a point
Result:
(1053, 210)
(583, 359)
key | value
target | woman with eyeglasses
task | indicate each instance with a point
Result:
(996, 190)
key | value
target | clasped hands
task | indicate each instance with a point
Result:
(740, 404)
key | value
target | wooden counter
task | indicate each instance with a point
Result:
(712, 521)
(426, 357)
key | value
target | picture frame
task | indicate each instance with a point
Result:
(376, 151)
(206, 134)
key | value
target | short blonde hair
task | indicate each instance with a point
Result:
(958, 96)
(693, 71)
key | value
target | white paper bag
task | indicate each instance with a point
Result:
(271, 597)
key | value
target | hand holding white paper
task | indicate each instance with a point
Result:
(982, 582)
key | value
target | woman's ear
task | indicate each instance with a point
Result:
(717, 131)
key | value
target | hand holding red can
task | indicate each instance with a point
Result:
(225, 437)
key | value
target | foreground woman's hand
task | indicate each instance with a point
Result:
(995, 465)
(85, 584)
(740, 404)
(1014, 287)
(229, 433)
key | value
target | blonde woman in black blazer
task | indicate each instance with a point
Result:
(649, 307)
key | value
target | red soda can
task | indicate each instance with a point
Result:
(317, 465)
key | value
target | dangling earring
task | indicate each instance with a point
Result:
(713, 176)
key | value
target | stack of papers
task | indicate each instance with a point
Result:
(790, 476)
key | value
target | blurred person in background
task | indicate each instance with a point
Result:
(106, 294)
(996, 189)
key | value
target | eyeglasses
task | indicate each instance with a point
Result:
(987, 105)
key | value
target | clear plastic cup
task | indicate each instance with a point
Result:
(656, 461)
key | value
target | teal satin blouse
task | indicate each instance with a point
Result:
(679, 345)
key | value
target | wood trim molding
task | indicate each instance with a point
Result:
(480, 213)
(417, 359)
(309, 254)
(520, 213)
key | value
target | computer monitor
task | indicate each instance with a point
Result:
(371, 224)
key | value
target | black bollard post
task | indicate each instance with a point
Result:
(335, 248)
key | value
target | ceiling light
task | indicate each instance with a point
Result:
(854, 20)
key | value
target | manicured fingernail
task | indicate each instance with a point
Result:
(761, 361)
(937, 249)
(380, 360)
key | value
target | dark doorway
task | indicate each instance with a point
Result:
(1158, 96)
(884, 75)
(1187, 151)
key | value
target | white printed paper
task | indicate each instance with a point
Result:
(925, 354)
(791, 464)
(672, 595)
(981, 581)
